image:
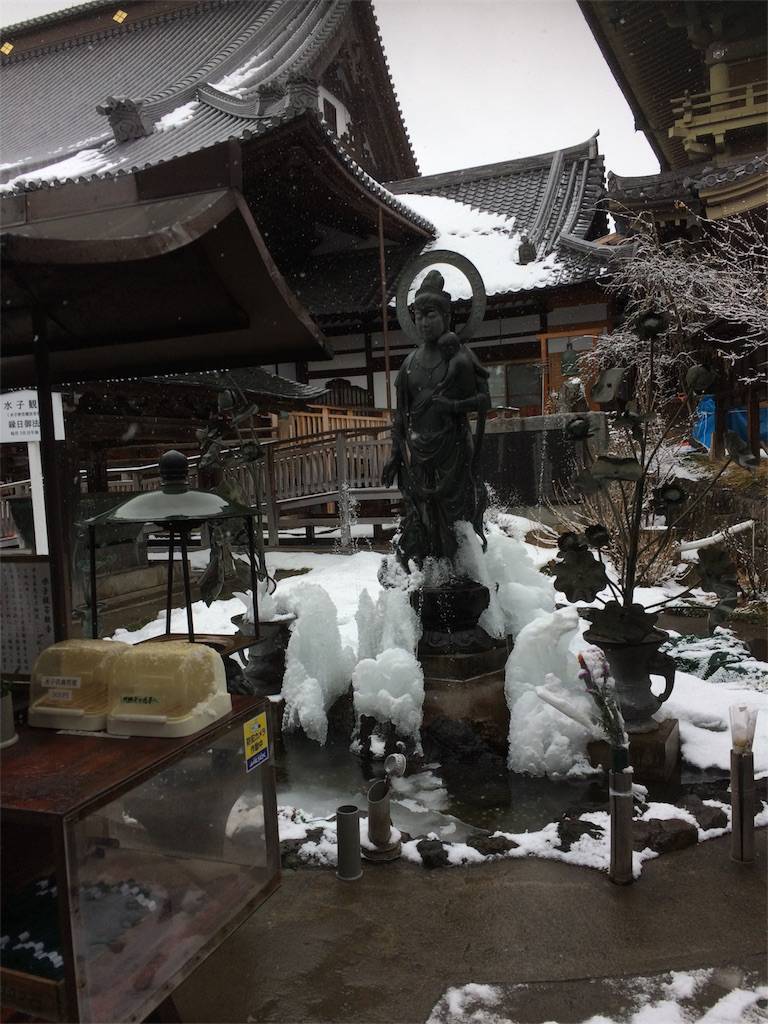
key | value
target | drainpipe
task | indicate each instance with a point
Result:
(349, 867)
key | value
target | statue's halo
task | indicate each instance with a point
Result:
(452, 259)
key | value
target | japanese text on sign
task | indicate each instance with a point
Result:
(26, 613)
(20, 417)
(256, 741)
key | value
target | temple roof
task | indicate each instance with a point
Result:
(552, 200)
(686, 182)
(150, 76)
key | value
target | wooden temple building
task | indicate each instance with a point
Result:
(695, 75)
(251, 166)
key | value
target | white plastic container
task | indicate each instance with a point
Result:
(169, 688)
(69, 687)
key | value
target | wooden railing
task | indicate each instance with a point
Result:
(304, 425)
(293, 474)
(716, 113)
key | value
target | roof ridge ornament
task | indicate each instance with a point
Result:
(301, 94)
(126, 117)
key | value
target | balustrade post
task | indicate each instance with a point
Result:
(342, 478)
(270, 494)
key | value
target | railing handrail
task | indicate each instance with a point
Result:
(14, 483)
(322, 435)
(737, 89)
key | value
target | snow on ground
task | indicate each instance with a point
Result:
(409, 814)
(523, 595)
(489, 240)
(721, 658)
(711, 995)
(338, 595)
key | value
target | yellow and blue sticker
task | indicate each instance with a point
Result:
(256, 740)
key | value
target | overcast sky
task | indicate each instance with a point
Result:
(486, 80)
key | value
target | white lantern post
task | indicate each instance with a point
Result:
(743, 721)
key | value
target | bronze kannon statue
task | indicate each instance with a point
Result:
(435, 455)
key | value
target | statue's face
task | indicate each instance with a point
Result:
(429, 322)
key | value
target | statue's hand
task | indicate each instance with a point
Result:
(389, 473)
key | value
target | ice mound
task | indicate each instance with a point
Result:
(266, 602)
(390, 688)
(519, 591)
(543, 741)
(388, 682)
(318, 668)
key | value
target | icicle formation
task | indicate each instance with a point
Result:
(317, 668)
(267, 603)
(542, 741)
(388, 682)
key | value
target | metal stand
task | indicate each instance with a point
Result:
(742, 807)
(620, 802)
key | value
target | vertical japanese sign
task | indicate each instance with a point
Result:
(20, 417)
(25, 611)
(20, 421)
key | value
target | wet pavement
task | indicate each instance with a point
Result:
(386, 948)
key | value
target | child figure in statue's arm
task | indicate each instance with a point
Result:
(461, 386)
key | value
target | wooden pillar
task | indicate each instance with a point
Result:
(369, 366)
(717, 451)
(384, 311)
(97, 480)
(58, 545)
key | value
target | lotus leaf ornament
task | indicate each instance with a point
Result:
(579, 575)
(597, 536)
(699, 379)
(651, 324)
(613, 385)
(579, 428)
(571, 542)
(616, 467)
(668, 499)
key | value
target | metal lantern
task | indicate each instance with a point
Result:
(178, 509)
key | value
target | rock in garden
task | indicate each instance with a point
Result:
(706, 815)
(663, 835)
(491, 845)
(570, 830)
(433, 853)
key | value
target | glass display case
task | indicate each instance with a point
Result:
(126, 861)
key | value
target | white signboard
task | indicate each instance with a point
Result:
(26, 613)
(20, 417)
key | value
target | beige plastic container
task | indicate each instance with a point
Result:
(69, 687)
(170, 688)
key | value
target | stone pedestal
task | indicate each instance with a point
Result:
(477, 700)
(463, 666)
(655, 756)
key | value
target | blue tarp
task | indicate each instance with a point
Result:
(736, 419)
